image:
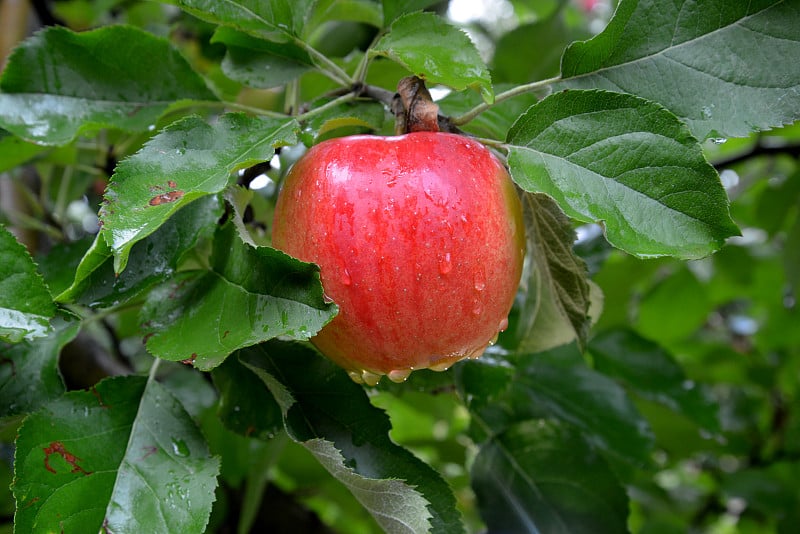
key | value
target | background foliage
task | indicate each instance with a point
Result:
(154, 374)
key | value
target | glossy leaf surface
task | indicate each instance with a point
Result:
(188, 160)
(60, 83)
(332, 417)
(123, 456)
(626, 163)
(25, 303)
(720, 65)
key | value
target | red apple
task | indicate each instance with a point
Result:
(420, 242)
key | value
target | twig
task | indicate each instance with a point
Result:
(758, 150)
(511, 93)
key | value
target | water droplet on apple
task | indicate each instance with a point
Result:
(370, 378)
(494, 339)
(399, 375)
(355, 376)
(445, 263)
(441, 366)
(503, 325)
(480, 280)
(477, 307)
(346, 279)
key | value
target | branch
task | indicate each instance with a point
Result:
(758, 150)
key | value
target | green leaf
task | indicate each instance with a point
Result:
(721, 65)
(627, 163)
(791, 257)
(14, 151)
(249, 295)
(333, 418)
(546, 38)
(653, 373)
(29, 375)
(276, 20)
(674, 308)
(437, 52)
(366, 11)
(259, 63)
(59, 263)
(246, 406)
(25, 303)
(557, 384)
(771, 489)
(58, 83)
(367, 115)
(151, 260)
(542, 477)
(394, 8)
(124, 456)
(188, 160)
(559, 295)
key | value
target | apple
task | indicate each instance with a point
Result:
(420, 241)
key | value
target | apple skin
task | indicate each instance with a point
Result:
(420, 241)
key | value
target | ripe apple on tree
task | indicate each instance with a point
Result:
(420, 241)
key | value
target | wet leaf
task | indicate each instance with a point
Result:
(276, 20)
(14, 151)
(653, 373)
(626, 163)
(540, 476)
(719, 65)
(123, 456)
(29, 375)
(246, 406)
(259, 63)
(151, 260)
(333, 418)
(248, 295)
(437, 52)
(59, 83)
(557, 384)
(394, 8)
(188, 160)
(25, 303)
(560, 301)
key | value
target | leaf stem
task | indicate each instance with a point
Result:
(511, 93)
(151, 376)
(360, 75)
(326, 66)
(333, 103)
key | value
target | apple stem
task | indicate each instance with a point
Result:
(414, 108)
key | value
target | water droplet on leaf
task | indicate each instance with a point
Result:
(180, 448)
